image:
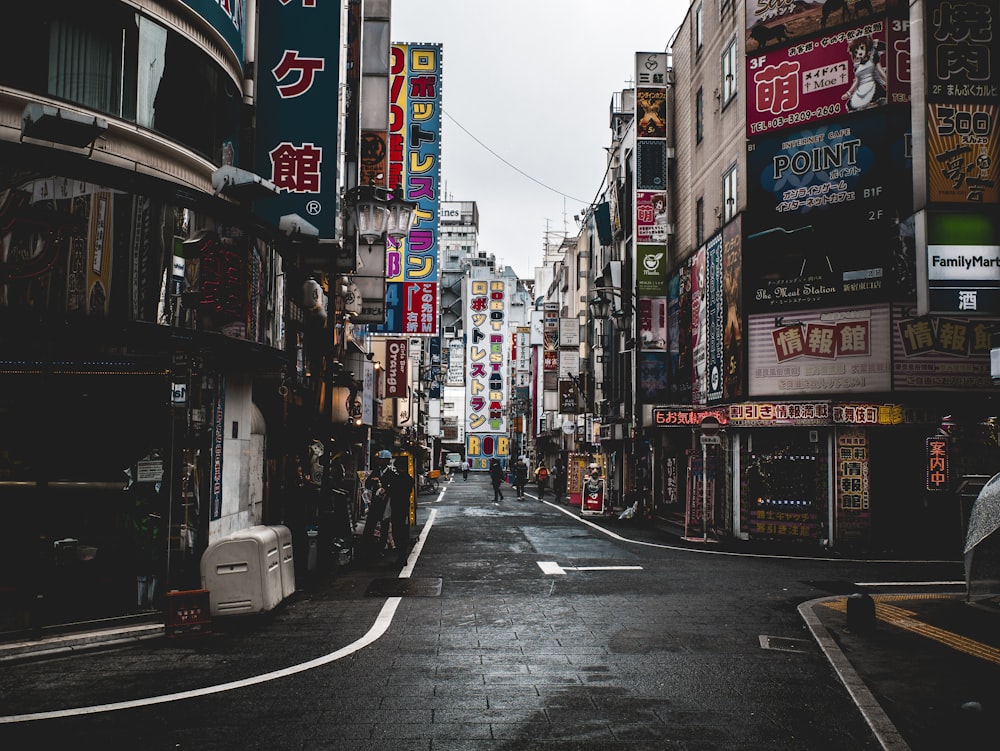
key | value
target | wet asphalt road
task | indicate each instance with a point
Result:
(515, 626)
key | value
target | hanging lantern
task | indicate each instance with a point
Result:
(340, 408)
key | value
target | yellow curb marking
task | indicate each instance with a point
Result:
(896, 616)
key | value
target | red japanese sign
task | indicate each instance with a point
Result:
(937, 463)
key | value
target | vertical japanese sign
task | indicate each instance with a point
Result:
(962, 59)
(652, 223)
(415, 168)
(298, 92)
(699, 384)
(397, 368)
(937, 463)
(714, 318)
(732, 291)
(487, 356)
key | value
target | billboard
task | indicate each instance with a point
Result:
(734, 355)
(414, 159)
(651, 216)
(851, 165)
(487, 355)
(933, 353)
(963, 154)
(803, 264)
(963, 263)
(856, 69)
(771, 23)
(962, 52)
(830, 351)
(714, 318)
(297, 94)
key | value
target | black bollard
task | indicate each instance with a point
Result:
(860, 613)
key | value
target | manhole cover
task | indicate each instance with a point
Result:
(398, 587)
(784, 644)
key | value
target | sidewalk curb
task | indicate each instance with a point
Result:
(68, 643)
(883, 728)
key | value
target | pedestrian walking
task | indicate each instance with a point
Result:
(520, 476)
(496, 478)
(375, 533)
(400, 495)
(465, 469)
(559, 481)
(542, 478)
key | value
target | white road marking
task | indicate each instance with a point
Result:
(551, 567)
(381, 625)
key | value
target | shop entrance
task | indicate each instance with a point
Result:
(785, 486)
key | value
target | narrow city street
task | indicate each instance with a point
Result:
(515, 625)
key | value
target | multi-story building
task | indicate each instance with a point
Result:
(177, 350)
(824, 185)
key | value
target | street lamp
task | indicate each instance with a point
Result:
(607, 302)
(373, 212)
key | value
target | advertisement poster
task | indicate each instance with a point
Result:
(651, 164)
(963, 154)
(698, 324)
(714, 318)
(734, 365)
(850, 167)
(831, 351)
(940, 352)
(651, 270)
(651, 216)
(653, 379)
(832, 75)
(773, 23)
(653, 323)
(812, 264)
(593, 496)
(652, 106)
(680, 373)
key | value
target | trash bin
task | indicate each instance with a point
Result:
(242, 572)
(287, 558)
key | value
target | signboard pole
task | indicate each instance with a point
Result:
(704, 491)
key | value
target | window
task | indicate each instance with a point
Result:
(699, 115)
(699, 222)
(104, 56)
(729, 194)
(699, 29)
(729, 69)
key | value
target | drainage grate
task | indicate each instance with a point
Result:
(784, 644)
(400, 587)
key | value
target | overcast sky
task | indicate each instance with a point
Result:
(531, 81)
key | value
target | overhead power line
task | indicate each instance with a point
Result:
(512, 166)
